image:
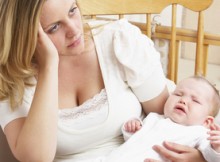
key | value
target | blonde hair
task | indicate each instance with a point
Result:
(19, 21)
(215, 98)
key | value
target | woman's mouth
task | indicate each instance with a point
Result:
(75, 42)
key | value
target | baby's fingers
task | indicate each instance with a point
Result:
(214, 134)
(215, 126)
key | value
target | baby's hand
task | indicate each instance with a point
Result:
(132, 126)
(215, 137)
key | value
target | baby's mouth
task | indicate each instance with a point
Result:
(180, 108)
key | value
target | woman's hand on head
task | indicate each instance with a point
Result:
(46, 52)
(177, 153)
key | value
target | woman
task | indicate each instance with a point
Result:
(66, 91)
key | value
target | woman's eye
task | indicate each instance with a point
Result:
(72, 11)
(54, 28)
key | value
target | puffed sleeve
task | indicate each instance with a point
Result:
(139, 61)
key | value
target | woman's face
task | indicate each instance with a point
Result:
(61, 21)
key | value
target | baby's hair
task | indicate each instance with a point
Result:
(216, 96)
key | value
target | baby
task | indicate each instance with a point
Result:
(188, 119)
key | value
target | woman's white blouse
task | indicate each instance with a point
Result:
(131, 71)
(92, 112)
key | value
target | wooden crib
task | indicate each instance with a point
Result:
(96, 8)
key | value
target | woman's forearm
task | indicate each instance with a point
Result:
(38, 137)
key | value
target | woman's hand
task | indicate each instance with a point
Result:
(177, 153)
(46, 53)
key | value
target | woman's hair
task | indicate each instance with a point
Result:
(19, 21)
(215, 97)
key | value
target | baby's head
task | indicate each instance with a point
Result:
(195, 101)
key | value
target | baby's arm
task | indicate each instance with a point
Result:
(132, 126)
(215, 137)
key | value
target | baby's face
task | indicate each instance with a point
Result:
(190, 103)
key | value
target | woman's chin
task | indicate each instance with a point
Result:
(73, 51)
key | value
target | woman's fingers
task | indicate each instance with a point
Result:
(166, 153)
(177, 148)
(46, 52)
(178, 153)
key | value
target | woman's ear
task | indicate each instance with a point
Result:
(208, 121)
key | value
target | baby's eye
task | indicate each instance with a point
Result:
(54, 28)
(177, 94)
(72, 10)
(197, 101)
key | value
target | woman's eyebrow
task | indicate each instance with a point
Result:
(44, 28)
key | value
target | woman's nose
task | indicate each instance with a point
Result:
(70, 34)
(70, 29)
